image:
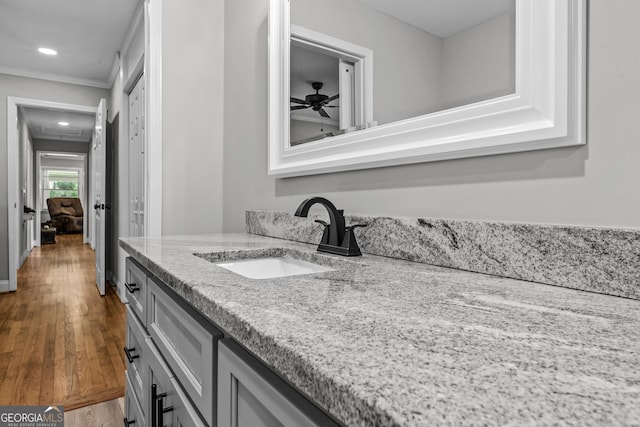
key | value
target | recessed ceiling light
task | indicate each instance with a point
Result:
(63, 123)
(47, 51)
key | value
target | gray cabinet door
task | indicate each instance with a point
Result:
(133, 413)
(187, 344)
(170, 406)
(136, 350)
(136, 287)
(250, 395)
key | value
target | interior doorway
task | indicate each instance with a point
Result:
(18, 202)
(60, 174)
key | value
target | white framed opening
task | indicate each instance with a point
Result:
(14, 207)
(47, 164)
(354, 71)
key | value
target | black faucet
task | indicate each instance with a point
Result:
(336, 239)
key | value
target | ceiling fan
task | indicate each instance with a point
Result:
(316, 101)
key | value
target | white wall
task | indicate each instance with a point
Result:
(595, 185)
(192, 115)
(24, 87)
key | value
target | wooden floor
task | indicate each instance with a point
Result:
(106, 414)
(60, 341)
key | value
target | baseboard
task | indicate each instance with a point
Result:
(119, 287)
(4, 286)
(23, 257)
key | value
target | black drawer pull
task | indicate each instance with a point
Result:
(127, 423)
(130, 357)
(161, 410)
(131, 287)
(154, 404)
(157, 409)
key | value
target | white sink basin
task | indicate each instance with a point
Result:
(269, 268)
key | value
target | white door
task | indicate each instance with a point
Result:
(99, 183)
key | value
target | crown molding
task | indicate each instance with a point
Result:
(115, 68)
(54, 77)
(136, 23)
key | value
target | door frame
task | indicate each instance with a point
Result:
(40, 203)
(13, 178)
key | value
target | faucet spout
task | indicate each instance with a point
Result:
(336, 219)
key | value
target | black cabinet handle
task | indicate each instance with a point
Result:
(157, 407)
(130, 357)
(127, 423)
(161, 409)
(154, 401)
(96, 206)
(131, 287)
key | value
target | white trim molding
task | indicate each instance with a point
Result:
(14, 213)
(153, 117)
(54, 77)
(547, 110)
(4, 286)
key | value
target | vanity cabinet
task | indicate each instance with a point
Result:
(133, 415)
(250, 395)
(136, 289)
(187, 342)
(182, 371)
(168, 403)
(137, 354)
(167, 383)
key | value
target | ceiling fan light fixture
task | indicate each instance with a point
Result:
(47, 51)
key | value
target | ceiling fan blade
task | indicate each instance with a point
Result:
(298, 101)
(336, 96)
(300, 107)
(323, 113)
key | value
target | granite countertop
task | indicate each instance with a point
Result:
(385, 342)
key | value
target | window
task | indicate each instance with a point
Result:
(60, 183)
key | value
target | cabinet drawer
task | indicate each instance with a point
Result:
(188, 343)
(132, 408)
(170, 406)
(136, 352)
(250, 395)
(136, 288)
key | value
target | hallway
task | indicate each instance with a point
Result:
(60, 342)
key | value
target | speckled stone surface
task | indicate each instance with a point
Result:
(594, 259)
(386, 342)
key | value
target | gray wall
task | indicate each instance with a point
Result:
(596, 184)
(192, 116)
(302, 129)
(61, 146)
(24, 87)
(479, 63)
